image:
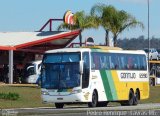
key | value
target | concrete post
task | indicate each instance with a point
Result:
(10, 67)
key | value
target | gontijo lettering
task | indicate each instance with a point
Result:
(128, 75)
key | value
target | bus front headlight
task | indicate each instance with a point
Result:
(44, 93)
(76, 91)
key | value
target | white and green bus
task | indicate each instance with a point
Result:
(94, 75)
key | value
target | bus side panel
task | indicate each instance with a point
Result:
(97, 83)
(111, 87)
(108, 85)
(121, 87)
(124, 84)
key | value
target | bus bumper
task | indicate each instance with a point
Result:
(71, 98)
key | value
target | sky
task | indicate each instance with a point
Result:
(31, 15)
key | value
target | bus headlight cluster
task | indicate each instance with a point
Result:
(76, 91)
(44, 93)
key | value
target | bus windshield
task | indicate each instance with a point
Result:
(61, 71)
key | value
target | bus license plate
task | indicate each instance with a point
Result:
(59, 98)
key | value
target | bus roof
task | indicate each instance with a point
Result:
(103, 47)
(97, 49)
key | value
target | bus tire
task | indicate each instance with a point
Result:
(59, 105)
(94, 102)
(136, 97)
(131, 98)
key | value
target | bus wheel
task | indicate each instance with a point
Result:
(94, 102)
(131, 98)
(59, 105)
(136, 98)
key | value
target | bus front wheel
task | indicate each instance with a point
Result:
(94, 102)
(131, 98)
(59, 105)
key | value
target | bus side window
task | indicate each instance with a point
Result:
(97, 61)
(143, 65)
(92, 62)
(122, 62)
(135, 63)
(113, 62)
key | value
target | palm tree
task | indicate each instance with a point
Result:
(81, 21)
(122, 21)
(113, 20)
(105, 14)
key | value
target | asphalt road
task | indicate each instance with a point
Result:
(141, 109)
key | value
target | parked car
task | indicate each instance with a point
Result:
(153, 54)
(32, 72)
(158, 50)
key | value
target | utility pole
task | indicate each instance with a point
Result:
(148, 36)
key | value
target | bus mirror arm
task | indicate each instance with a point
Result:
(81, 67)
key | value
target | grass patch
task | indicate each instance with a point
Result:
(31, 97)
(9, 96)
(154, 95)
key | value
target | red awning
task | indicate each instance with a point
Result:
(36, 41)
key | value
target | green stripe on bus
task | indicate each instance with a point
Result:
(112, 85)
(94, 50)
(106, 85)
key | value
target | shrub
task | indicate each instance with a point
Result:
(9, 96)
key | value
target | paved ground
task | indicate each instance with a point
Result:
(141, 109)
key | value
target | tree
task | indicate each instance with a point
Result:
(105, 14)
(122, 21)
(81, 21)
(113, 20)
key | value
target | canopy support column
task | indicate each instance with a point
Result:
(10, 67)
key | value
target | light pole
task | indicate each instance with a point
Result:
(148, 36)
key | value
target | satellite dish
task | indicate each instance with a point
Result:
(89, 41)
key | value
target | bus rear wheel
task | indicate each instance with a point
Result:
(130, 100)
(94, 102)
(59, 105)
(136, 98)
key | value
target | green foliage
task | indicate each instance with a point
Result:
(107, 16)
(81, 21)
(9, 96)
(138, 43)
(113, 20)
(29, 97)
